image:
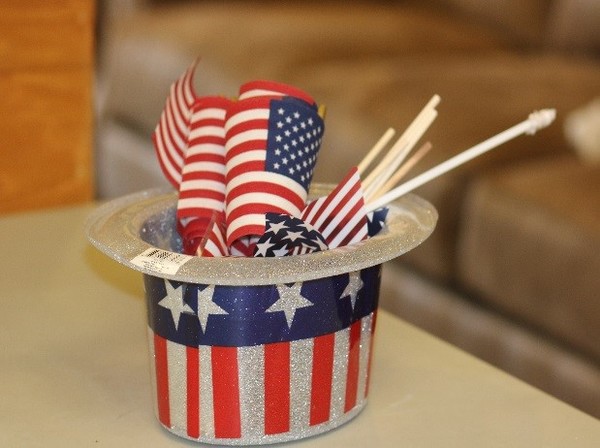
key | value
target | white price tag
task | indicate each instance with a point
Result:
(160, 261)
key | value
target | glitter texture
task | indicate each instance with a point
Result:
(188, 380)
(125, 227)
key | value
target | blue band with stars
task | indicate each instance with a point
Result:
(236, 316)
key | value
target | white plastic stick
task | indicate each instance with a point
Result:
(536, 121)
(417, 126)
(375, 150)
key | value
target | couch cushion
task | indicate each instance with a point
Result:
(241, 41)
(526, 21)
(481, 96)
(530, 246)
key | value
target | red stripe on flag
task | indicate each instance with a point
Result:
(275, 88)
(226, 392)
(193, 392)
(162, 380)
(241, 168)
(322, 371)
(358, 228)
(353, 362)
(277, 387)
(323, 203)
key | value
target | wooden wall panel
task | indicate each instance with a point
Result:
(46, 115)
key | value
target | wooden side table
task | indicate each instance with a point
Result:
(46, 72)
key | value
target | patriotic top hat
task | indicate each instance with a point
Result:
(255, 350)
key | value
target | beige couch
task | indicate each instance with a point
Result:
(512, 273)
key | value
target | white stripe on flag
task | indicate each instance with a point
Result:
(251, 374)
(212, 167)
(332, 205)
(272, 200)
(245, 220)
(202, 184)
(244, 116)
(246, 136)
(205, 131)
(267, 176)
(211, 204)
(176, 123)
(301, 359)
(258, 92)
(244, 157)
(208, 113)
(342, 214)
(163, 150)
(205, 148)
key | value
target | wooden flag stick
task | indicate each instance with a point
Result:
(403, 170)
(375, 150)
(398, 153)
(536, 121)
(415, 127)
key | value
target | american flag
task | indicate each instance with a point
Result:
(258, 88)
(340, 216)
(287, 235)
(271, 150)
(171, 132)
(202, 188)
(261, 363)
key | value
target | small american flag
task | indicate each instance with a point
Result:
(202, 189)
(271, 150)
(261, 363)
(254, 89)
(340, 216)
(287, 235)
(171, 132)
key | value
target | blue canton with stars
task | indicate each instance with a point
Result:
(236, 316)
(294, 138)
(288, 235)
(376, 221)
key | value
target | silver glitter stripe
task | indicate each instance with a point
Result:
(340, 370)
(177, 365)
(363, 366)
(301, 359)
(251, 385)
(152, 369)
(207, 423)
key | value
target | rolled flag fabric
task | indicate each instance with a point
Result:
(287, 235)
(206, 239)
(202, 188)
(271, 145)
(171, 133)
(259, 88)
(340, 216)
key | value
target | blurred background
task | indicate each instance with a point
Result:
(511, 273)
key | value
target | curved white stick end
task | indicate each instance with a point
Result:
(540, 119)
